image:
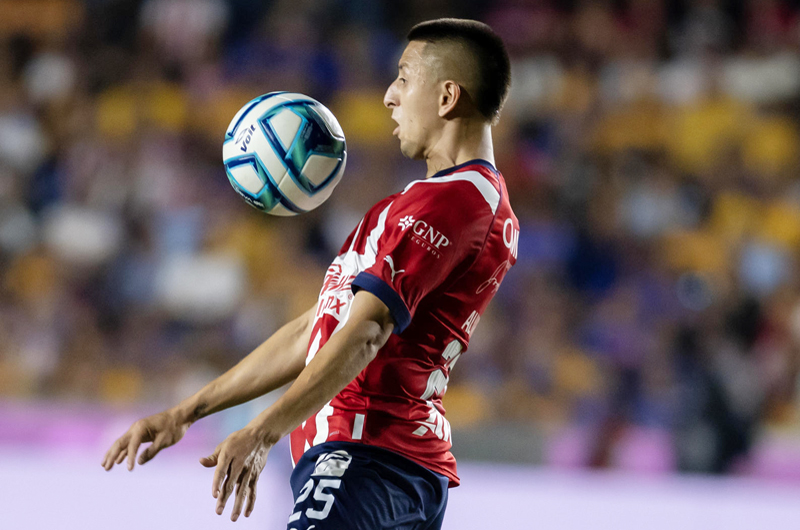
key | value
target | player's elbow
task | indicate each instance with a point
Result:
(372, 324)
(374, 334)
(383, 330)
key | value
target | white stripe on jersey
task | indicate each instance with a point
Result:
(358, 427)
(371, 248)
(321, 421)
(490, 194)
(355, 236)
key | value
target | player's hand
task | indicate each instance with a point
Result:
(239, 461)
(163, 429)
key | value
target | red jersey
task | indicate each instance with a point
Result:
(435, 254)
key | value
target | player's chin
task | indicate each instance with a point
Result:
(411, 150)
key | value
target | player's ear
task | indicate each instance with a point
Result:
(448, 97)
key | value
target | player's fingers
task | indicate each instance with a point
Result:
(211, 460)
(113, 452)
(133, 447)
(219, 474)
(242, 487)
(110, 454)
(208, 461)
(251, 495)
(222, 498)
(121, 457)
(230, 483)
(157, 445)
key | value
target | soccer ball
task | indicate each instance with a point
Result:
(284, 153)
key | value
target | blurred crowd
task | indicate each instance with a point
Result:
(651, 154)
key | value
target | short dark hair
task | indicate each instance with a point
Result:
(494, 75)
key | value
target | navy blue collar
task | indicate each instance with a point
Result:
(478, 161)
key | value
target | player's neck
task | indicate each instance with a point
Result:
(459, 142)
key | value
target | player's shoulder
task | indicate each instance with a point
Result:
(474, 185)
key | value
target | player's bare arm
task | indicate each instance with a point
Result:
(241, 457)
(277, 361)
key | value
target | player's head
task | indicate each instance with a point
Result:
(451, 68)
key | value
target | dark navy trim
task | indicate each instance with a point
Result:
(478, 161)
(387, 295)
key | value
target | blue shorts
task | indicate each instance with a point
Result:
(351, 486)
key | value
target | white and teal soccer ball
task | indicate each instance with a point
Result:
(284, 153)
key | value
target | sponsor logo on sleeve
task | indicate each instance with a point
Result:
(406, 221)
(428, 237)
(390, 261)
(430, 234)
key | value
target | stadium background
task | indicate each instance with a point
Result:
(650, 330)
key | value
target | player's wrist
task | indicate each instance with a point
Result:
(265, 427)
(187, 412)
(261, 431)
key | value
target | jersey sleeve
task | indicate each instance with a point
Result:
(430, 231)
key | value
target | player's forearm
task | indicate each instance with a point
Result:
(336, 364)
(277, 361)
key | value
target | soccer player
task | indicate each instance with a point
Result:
(371, 360)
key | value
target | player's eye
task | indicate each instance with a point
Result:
(402, 80)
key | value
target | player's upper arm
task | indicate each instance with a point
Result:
(369, 325)
(374, 316)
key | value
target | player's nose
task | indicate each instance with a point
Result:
(390, 98)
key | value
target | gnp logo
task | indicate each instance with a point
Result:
(405, 222)
(429, 238)
(430, 234)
